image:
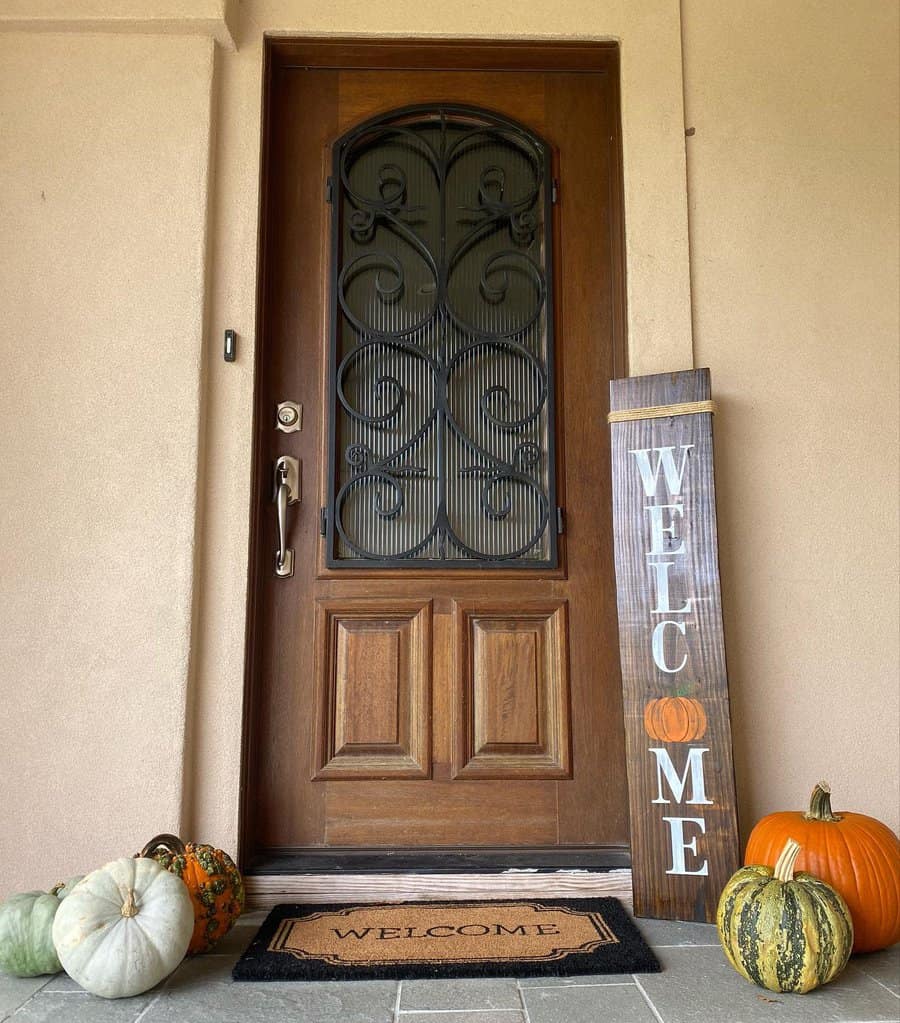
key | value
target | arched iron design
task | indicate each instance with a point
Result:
(441, 422)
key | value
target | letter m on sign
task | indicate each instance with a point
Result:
(667, 772)
(684, 838)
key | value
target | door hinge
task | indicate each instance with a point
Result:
(323, 521)
(329, 190)
(554, 191)
(560, 522)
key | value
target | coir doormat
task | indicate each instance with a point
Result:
(550, 938)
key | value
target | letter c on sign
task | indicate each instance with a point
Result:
(659, 654)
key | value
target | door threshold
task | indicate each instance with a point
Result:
(267, 890)
(421, 875)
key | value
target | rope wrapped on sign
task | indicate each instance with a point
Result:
(684, 408)
(684, 837)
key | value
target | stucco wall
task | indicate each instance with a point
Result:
(121, 653)
(104, 152)
(793, 191)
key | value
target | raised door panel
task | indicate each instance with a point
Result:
(512, 691)
(374, 683)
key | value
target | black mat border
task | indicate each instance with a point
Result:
(631, 955)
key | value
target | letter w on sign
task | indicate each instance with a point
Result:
(684, 837)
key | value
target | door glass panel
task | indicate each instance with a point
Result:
(441, 424)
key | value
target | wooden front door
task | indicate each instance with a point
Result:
(441, 292)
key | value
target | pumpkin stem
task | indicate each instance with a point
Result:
(168, 843)
(685, 688)
(784, 865)
(57, 888)
(129, 908)
(820, 804)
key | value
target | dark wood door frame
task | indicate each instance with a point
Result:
(418, 54)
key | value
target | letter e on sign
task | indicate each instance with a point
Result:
(679, 845)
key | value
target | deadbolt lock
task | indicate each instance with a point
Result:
(288, 417)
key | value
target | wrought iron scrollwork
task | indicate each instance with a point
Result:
(441, 426)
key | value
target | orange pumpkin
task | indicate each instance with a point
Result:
(214, 882)
(856, 854)
(675, 719)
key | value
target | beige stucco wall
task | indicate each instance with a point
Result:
(793, 186)
(121, 651)
(104, 153)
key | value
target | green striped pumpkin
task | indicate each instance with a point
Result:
(783, 932)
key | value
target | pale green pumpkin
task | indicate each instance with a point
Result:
(26, 934)
(64, 888)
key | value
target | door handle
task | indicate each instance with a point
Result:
(287, 492)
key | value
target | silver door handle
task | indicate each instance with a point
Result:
(287, 492)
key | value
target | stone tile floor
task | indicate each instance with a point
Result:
(696, 986)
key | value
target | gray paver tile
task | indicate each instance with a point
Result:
(586, 980)
(65, 1007)
(495, 1016)
(201, 991)
(613, 1003)
(63, 983)
(240, 935)
(882, 966)
(476, 993)
(677, 932)
(699, 986)
(16, 990)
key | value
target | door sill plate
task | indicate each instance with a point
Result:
(267, 890)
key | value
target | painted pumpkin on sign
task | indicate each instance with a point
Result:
(857, 855)
(675, 719)
(213, 881)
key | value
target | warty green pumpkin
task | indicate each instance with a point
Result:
(213, 881)
(781, 931)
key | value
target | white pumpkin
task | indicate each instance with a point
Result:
(124, 928)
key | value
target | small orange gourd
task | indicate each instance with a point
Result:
(213, 881)
(856, 854)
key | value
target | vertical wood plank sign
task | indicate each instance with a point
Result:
(684, 838)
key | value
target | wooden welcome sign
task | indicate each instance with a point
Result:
(684, 838)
